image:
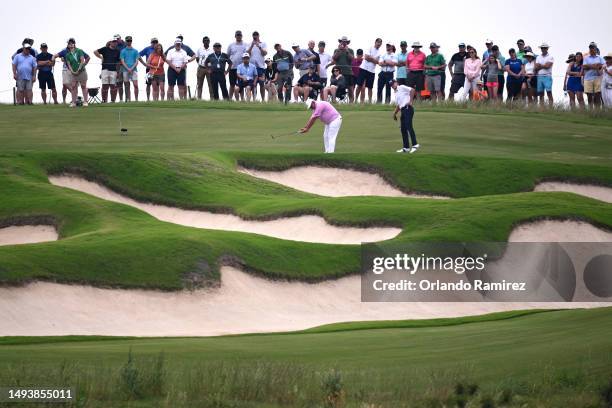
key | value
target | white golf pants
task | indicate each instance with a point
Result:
(330, 134)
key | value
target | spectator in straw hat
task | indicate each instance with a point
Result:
(415, 64)
(543, 65)
(593, 64)
(343, 59)
(606, 82)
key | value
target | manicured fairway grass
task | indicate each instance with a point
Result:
(186, 154)
(557, 358)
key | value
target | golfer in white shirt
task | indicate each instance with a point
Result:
(404, 95)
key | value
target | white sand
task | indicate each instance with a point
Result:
(305, 228)
(244, 303)
(596, 192)
(27, 234)
(333, 182)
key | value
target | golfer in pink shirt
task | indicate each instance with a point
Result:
(330, 117)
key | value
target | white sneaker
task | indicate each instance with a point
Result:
(73, 105)
(85, 104)
(414, 148)
(402, 150)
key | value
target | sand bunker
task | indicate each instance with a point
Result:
(332, 182)
(243, 303)
(306, 228)
(596, 192)
(27, 234)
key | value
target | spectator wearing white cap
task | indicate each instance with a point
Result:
(177, 60)
(203, 73)
(235, 51)
(247, 77)
(330, 117)
(592, 67)
(606, 82)
(270, 79)
(543, 66)
(145, 53)
(24, 72)
(387, 62)
(258, 51)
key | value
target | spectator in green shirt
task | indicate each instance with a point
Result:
(343, 59)
(434, 67)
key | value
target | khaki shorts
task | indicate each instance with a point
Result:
(592, 85)
(127, 77)
(24, 84)
(66, 78)
(80, 78)
(108, 77)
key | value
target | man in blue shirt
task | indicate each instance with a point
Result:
(129, 58)
(591, 66)
(24, 72)
(514, 67)
(145, 54)
(246, 73)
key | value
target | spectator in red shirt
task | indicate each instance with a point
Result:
(415, 65)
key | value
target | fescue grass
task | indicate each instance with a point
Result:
(557, 358)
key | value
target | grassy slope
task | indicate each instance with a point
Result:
(128, 248)
(520, 353)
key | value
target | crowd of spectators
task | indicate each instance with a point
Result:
(253, 71)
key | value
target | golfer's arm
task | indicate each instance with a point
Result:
(310, 122)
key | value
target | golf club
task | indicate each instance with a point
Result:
(277, 135)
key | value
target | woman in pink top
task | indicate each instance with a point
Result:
(330, 117)
(471, 69)
(415, 65)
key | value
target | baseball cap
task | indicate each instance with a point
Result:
(571, 58)
(488, 41)
(403, 44)
(180, 36)
(520, 40)
(388, 42)
(26, 45)
(246, 55)
(154, 39)
(529, 54)
(71, 41)
(308, 103)
(116, 36)
(216, 44)
(128, 38)
(295, 45)
(462, 45)
(238, 32)
(43, 45)
(255, 33)
(205, 38)
(593, 44)
(178, 41)
(434, 45)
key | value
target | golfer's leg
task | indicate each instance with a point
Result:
(326, 138)
(409, 126)
(332, 134)
(404, 128)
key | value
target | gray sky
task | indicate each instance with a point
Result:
(568, 26)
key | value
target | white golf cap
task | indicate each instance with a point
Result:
(488, 41)
(246, 55)
(295, 45)
(544, 45)
(309, 102)
(26, 45)
(116, 36)
(178, 41)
